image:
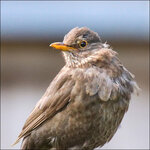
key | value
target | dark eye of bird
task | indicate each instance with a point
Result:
(83, 43)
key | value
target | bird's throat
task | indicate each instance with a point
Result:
(71, 59)
(101, 56)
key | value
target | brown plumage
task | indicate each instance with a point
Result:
(85, 103)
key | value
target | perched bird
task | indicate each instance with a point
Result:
(85, 103)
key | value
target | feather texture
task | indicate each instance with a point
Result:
(85, 103)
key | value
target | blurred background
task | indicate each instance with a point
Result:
(28, 64)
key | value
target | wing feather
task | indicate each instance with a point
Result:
(55, 98)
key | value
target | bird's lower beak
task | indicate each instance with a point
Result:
(61, 46)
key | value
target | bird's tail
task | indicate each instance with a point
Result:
(24, 145)
(18, 139)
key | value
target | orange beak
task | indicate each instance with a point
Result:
(62, 46)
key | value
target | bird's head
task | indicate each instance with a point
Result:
(78, 45)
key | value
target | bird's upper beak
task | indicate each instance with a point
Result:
(62, 46)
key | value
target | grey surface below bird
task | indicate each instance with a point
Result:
(85, 103)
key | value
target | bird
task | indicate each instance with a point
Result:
(85, 103)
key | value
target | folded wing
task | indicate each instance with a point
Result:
(56, 97)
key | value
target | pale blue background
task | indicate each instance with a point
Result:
(124, 19)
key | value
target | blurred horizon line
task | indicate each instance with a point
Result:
(39, 41)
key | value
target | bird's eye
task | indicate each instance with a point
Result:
(83, 44)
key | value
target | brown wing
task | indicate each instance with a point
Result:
(55, 98)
